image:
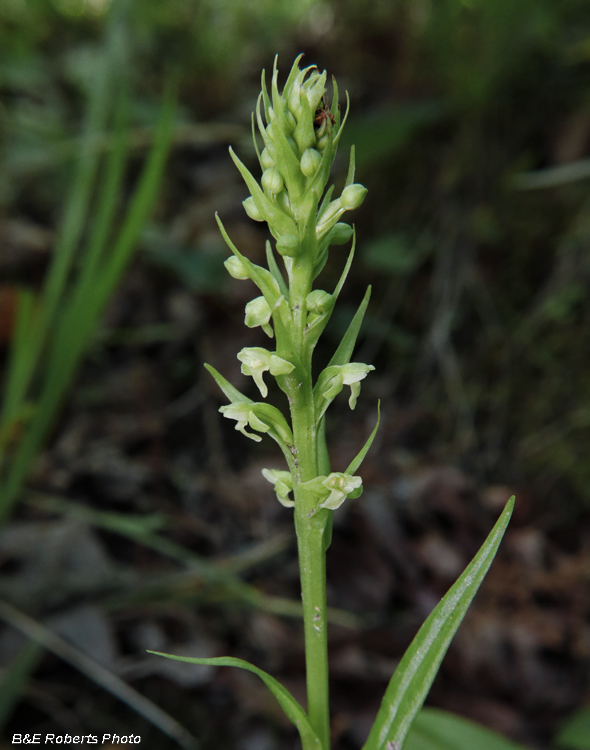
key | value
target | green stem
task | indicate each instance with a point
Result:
(310, 525)
(312, 564)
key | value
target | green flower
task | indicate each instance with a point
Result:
(258, 313)
(333, 489)
(244, 415)
(283, 484)
(256, 361)
(334, 378)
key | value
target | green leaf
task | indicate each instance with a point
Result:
(346, 347)
(274, 269)
(354, 465)
(342, 279)
(276, 219)
(263, 279)
(232, 393)
(434, 729)
(414, 676)
(575, 733)
(290, 706)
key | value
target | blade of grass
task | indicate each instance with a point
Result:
(45, 637)
(14, 678)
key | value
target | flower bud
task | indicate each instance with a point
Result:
(258, 313)
(339, 234)
(353, 195)
(319, 302)
(236, 268)
(310, 161)
(293, 145)
(266, 159)
(252, 209)
(289, 245)
(323, 141)
(272, 181)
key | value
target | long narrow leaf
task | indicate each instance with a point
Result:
(414, 676)
(290, 706)
(434, 729)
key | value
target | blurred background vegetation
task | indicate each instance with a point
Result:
(471, 122)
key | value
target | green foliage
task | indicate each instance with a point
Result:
(53, 333)
(438, 730)
(414, 676)
(575, 733)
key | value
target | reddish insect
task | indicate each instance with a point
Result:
(322, 117)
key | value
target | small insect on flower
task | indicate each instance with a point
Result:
(322, 117)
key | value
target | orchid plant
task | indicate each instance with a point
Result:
(300, 134)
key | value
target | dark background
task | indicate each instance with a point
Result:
(471, 121)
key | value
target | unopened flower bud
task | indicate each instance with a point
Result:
(293, 145)
(272, 180)
(339, 234)
(258, 313)
(353, 195)
(289, 245)
(319, 302)
(310, 161)
(266, 159)
(252, 209)
(236, 268)
(323, 141)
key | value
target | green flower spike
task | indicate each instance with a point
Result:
(243, 414)
(256, 361)
(258, 313)
(283, 482)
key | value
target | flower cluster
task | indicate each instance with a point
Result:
(300, 132)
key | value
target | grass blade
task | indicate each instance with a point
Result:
(45, 637)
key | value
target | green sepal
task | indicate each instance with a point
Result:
(343, 354)
(294, 711)
(232, 393)
(360, 457)
(278, 221)
(414, 676)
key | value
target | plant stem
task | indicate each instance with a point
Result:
(312, 564)
(309, 525)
